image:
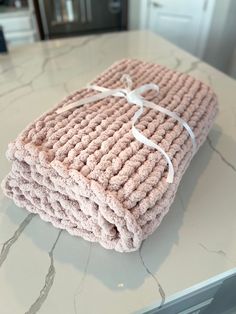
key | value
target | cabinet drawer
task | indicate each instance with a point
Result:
(12, 24)
(22, 37)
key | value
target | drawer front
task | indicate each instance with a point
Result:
(12, 24)
(22, 37)
(20, 41)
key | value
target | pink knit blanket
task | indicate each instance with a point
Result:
(83, 170)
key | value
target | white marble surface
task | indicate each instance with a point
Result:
(46, 271)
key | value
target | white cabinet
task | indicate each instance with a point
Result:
(18, 26)
(16, 23)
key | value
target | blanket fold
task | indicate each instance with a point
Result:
(83, 170)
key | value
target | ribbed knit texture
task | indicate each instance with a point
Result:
(83, 170)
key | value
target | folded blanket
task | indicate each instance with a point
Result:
(83, 170)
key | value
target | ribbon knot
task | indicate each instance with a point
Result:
(134, 96)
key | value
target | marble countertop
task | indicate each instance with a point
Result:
(43, 270)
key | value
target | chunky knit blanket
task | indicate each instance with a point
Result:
(83, 170)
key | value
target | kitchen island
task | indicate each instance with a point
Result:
(45, 270)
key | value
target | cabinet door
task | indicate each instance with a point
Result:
(179, 21)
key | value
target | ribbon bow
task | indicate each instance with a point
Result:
(135, 97)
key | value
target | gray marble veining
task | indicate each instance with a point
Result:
(7, 245)
(46, 271)
(220, 155)
(160, 288)
(49, 279)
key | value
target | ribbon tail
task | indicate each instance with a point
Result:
(176, 117)
(144, 140)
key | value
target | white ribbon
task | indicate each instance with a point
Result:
(135, 97)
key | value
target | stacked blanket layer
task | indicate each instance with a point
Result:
(83, 170)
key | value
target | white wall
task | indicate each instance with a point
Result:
(222, 38)
(232, 67)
